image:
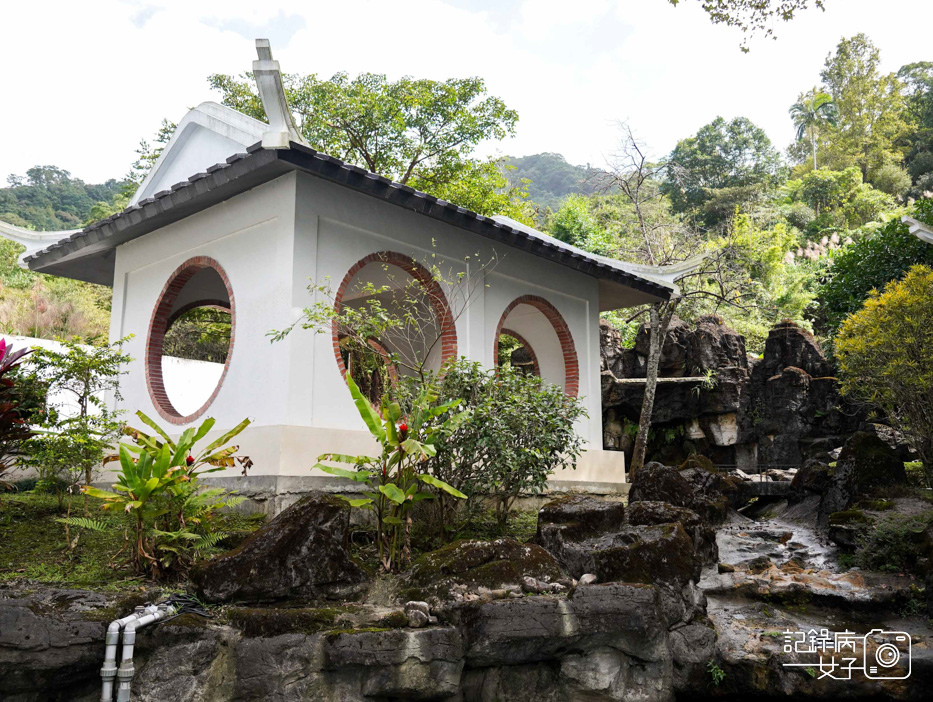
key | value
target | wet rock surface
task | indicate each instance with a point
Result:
(303, 552)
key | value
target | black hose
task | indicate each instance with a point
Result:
(185, 604)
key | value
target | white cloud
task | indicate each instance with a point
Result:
(85, 81)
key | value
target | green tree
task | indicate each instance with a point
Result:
(575, 224)
(868, 264)
(870, 106)
(885, 360)
(917, 79)
(724, 158)
(80, 427)
(418, 132)
(811, 113)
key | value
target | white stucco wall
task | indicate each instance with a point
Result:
(270, 240)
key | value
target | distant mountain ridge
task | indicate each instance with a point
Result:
(552, 178)
(49, 199)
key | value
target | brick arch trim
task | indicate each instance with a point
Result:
(159, 324)
(569, 351)
(445, 318)
(528, 348)
(213, 304)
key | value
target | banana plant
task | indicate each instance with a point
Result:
(392, 483)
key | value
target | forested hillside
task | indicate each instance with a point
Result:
(47, 198)
(550, 179)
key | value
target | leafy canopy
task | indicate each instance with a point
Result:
(884, 356)
(868, 264)
(722, 155)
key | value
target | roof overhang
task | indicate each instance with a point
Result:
(89, 254)
(922, 231)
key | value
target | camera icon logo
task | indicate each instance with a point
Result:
(890, 659)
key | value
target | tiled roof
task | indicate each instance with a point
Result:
(243, 171)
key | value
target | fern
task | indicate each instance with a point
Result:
(83, 523)
(209, 541)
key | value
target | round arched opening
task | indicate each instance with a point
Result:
(538, 341)
(191, 339)
(422, 332)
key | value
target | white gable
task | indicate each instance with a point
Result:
(208, 134)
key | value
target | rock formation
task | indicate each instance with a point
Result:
(773, 411)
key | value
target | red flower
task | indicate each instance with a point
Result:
(189, 460)
(402, 430)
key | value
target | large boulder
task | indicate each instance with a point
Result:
(698, 487)
(656, 513)
(813, 477)
(565, 522)
(659, 483)
(302, 553)
(864, 464)
(788, 345)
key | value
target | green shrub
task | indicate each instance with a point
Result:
(885, 361)
(520, 429)
(894, 544)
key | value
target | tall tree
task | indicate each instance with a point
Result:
(917, 81)
(418, 132)
(724, 158)
(708, 270)
(870, 107)
(811, 113)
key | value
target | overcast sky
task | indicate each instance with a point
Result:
(84, 81)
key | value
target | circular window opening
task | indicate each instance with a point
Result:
(190, 340)
(393, 320)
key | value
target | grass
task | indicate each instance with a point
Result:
(33, 544)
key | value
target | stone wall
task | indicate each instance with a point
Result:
(771, 411)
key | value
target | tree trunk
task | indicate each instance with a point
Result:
(813, 143)
(661, 315)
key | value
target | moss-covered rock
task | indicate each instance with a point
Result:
(657, 483)
(848, 516)
(474, 564)
(261, 622)
(814, 476)
(654, 513)
(659, 554)
(872, 462)
(303, 552)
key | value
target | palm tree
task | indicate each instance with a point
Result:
(811, 112)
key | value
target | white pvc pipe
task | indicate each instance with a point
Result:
(125, 671)
(109, 670)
